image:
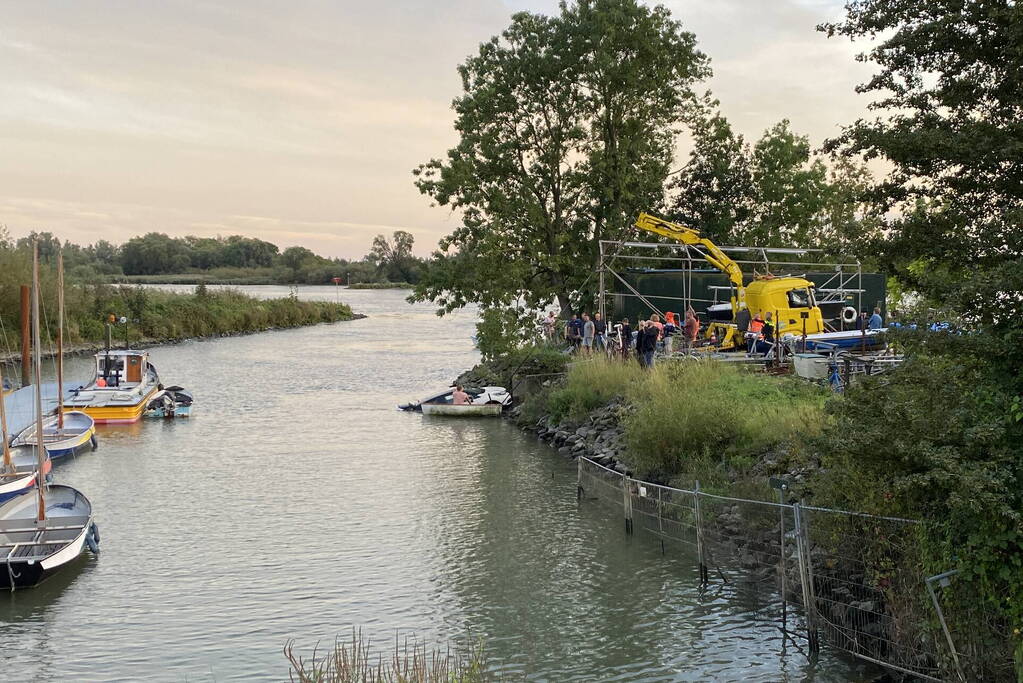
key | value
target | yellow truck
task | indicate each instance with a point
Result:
(790, 299)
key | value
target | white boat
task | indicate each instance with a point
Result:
(478, 396)
(468, 410)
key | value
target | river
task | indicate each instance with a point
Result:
(297, 503)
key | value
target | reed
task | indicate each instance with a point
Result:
(410, 661)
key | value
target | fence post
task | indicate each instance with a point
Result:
(579, 479)
(627, 504)
(699, 533)
(806, 578)
(781, 561)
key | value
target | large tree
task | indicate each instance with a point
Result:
(566, 128)
(949, 120)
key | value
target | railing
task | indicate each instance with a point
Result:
(853, 581)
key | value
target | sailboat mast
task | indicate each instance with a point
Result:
(8, 465)
(38, 369)
(60, 338)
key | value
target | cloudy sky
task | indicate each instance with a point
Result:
(299, 122)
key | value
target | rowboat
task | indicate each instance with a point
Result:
(16, 483)
(32, 549)
(478, 396)
(123, 386)
(77, 432)
(467, 410)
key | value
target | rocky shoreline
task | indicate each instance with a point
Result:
(601, 437)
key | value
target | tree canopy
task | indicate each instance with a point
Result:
(567, 128)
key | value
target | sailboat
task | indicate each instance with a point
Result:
(67, 432)
(41, 533)
(13, 480)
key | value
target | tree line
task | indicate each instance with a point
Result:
(390, 259)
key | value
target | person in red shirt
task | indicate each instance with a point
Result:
(692, 327)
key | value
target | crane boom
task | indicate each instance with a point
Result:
(714, 255)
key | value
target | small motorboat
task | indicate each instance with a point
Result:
(124, 384)
(482, 401)
(32, 549)
(169, 403)
(850, 340)
(79, 431)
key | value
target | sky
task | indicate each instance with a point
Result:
(299, 122)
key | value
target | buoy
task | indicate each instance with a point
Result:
(849, 315)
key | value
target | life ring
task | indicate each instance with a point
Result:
(849, 315)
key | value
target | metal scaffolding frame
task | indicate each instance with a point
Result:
(847, 278)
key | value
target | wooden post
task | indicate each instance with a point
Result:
(627, 504)
(26, 343)
(699, 534)
(579, 480)
(8, 464)
(806, 579)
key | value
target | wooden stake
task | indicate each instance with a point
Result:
(38, 367)
(60, 339)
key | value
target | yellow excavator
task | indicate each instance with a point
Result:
(790, 299)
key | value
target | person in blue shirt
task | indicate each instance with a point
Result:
(574, 331)
(875, 322)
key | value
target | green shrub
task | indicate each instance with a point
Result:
(590, 385)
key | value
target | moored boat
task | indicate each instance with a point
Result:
(32, 549)
(123, 386)
(466, 410)
(77, 433)
(170, 402)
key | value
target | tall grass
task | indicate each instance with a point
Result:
(409, 662)
(590, 385)
(711, 420)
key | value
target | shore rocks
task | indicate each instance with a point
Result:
(600, 437)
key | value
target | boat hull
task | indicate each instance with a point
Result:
(15, 486)
(115, 414)
(30, 554)
(78, 433)
(448, 410)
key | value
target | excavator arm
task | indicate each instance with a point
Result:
(713, 255)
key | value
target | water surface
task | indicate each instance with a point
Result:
(297, 503)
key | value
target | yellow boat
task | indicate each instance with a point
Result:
(124, 384)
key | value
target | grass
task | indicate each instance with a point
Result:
(712, 421)
(691, 420)
(351, 661)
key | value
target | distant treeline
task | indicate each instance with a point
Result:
(156, 257)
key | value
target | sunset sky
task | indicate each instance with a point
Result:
(299, 122)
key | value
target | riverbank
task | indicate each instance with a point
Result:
(160, 317)
(740, 434)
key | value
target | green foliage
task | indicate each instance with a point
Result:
(394, 259)
(562, 142)
(774, 193)
(709, 421)
(531, 360)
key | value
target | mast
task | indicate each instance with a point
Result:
(38, 368)
(60, 338)
(26, 338)
(8, 466)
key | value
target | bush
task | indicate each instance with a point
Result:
(590, 385)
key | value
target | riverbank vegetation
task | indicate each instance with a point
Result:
(353, 661)
(156, 258)
(562, 145)
(153, 315)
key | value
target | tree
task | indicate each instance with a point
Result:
(566, 131)
(154, 253)
(394, 260)
(949, 96)
(296, 257)
(775, 193)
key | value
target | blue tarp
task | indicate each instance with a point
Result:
(21, 406)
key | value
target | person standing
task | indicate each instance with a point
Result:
(692, 328)
(876, 322)
(647, 343)
(626, 332)
(669, 330)
(548, 324)
(588, 329)
(574, 331)
(599, 332)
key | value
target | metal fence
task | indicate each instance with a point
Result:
(852, 581)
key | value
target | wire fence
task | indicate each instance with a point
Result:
(852, 581)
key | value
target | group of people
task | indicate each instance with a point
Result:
(586, 334)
